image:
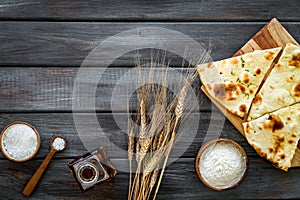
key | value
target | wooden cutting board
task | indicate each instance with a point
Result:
(270, 36)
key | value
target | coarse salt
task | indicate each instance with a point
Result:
(59, 144)
(19, 141)
(222, 165)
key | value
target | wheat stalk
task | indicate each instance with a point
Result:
(140, 151)
(178, 112)
(156, 135)
(130, 148)
(141, 143)
(145, 136)
(152, 182)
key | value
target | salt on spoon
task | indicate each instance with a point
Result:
(58, 143)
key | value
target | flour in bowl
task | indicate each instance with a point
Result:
(222, 165)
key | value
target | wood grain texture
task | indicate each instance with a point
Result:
(169, 10)
(50, 124)
(19, 91)
(179, 182)
(272, 35)
(68, 43)
(42, 44)
(34, 180)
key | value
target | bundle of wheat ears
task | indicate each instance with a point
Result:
(153, 129)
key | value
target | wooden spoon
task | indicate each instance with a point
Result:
(40, 171)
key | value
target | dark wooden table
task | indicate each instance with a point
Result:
(42, 45)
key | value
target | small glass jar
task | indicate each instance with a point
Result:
(92, 169)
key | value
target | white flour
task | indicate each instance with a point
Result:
(222, 165)
(20, 141)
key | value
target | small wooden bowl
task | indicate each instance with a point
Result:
(208, 144)
(2, 146)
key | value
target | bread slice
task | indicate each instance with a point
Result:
(281, 87)
(275, 136)
(233, 82)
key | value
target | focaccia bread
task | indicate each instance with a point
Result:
(275, 136)
(233, 82)
(282, 86)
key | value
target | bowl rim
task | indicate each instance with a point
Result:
(3, 149)
(204, 147)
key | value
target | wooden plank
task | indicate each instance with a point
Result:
(50, 124)
(67, 44)
(51, 89)
(170, 10)
(179, 182)
(270, 36)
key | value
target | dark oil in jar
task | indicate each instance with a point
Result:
(92, 169)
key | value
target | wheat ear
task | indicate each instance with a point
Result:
(178, 113)
(130, 129)
(143, 142)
